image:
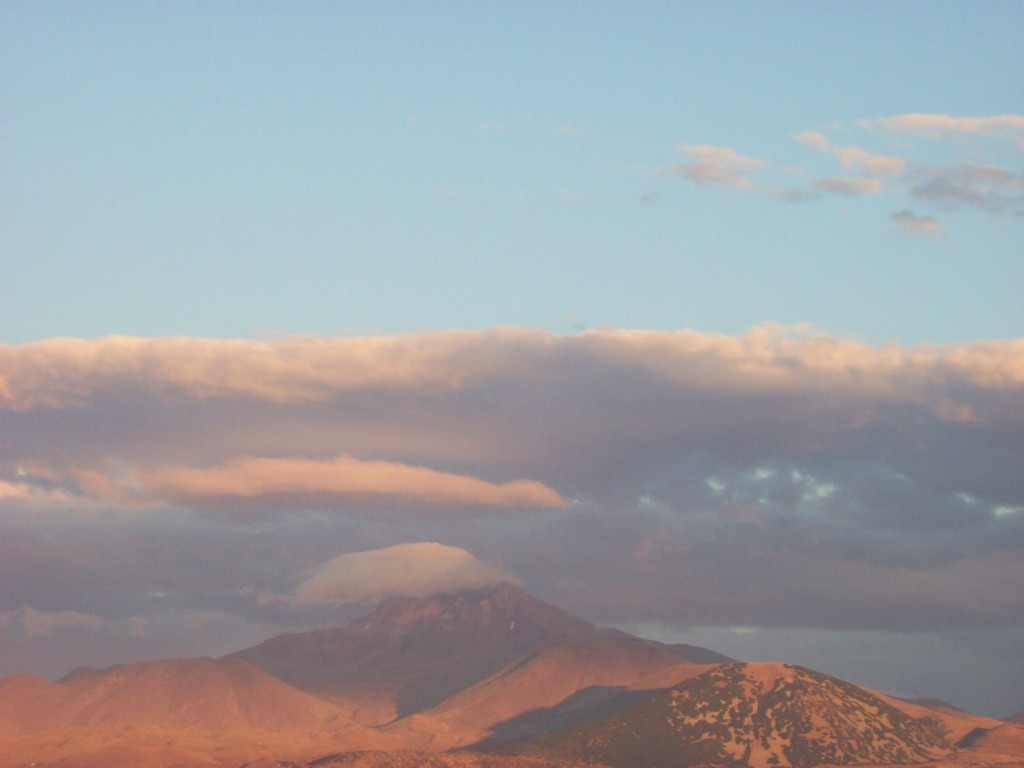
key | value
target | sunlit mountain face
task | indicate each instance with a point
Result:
(756, 715)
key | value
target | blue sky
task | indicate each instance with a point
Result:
(429, 270)
(243, 169)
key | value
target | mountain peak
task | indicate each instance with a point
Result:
(498, 608)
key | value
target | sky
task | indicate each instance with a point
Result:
(701, 320)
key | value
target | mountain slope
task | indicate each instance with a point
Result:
(178, 711)
(411, 654)
(755, 715)
(564, 682)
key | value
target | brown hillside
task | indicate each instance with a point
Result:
(756, 715)
(179, 711)
(579, 678)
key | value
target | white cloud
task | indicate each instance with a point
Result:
(419, 569)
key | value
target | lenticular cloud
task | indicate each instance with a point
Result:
(419, 569)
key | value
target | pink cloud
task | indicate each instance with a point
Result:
(59, 372)
(71, 373)
(938, 126)
(854, 157)
(718, 165)
(336, 481)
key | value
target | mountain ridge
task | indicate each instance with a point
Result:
(480, 670)
(758, 715)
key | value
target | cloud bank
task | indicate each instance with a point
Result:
(778, 478)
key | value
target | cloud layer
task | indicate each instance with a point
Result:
(173, 488)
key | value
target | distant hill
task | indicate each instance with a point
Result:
(161, 713)
(757, 715)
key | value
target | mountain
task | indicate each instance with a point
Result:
(756, 715)
(570, 679)
(412, 654)
(168, 712)
(491, 678)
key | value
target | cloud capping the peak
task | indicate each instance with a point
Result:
(418, 569)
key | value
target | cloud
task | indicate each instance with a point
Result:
(854, 157)
(780, 477)
(986, 187)
(419, 569)
(813, 139)
(30, 622)
(841, 185)
(42, 379)
(330, 483)
(287, 370)
(791, 194)
(919, 226)
(718, 166)
(937, 126)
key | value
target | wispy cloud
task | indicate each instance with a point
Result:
(718, 166)
(938, 126)
(843, 185)
(985, 187)
(919, 226)
(855, 158)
